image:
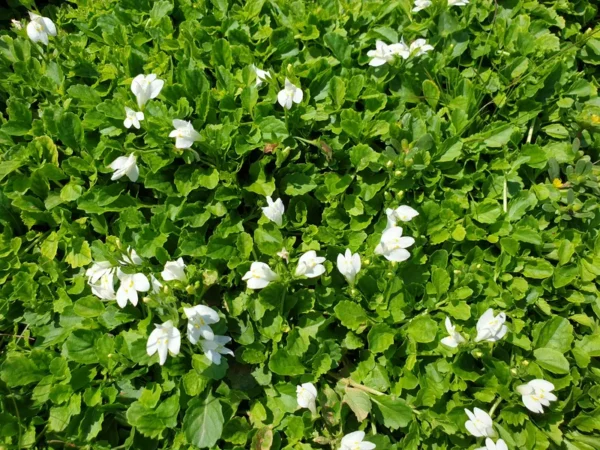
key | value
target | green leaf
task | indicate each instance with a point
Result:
(283, 363)
(358, 401)
(556, 333)
(552, 360)
(203, 422)
(88, 307)
(79, 346)
(422, 329)
(392, 412)
(70, 130)
(351, 315)
(362, 155)
(380, 338)
(151, 422)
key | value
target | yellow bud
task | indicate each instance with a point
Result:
(477, 354)
(109, 355)
(366, 262)
(456, 271)
(513, 371)
(557, 183)
(146, 299)
(525, 362)
(389, 164)
(190, 289)
(397, 173)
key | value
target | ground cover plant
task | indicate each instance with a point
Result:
(274, 224)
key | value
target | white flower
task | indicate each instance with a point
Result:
(458, 2)
(184, 134)
(130, 257)
(419, 47)
(489, 445)
(349, 265)
(164, 339)
(131, 284)
(15, 23)
(400, 49)
(289, 94)
(156, 285)
(104, 287)
(480, 423)
(174, 270)
(403, 213)
(421, 4)
(284, 254)
(145, 87)
(132, 118)
(40, 28)
(261, 75)
(355, 441)
(455, 338)
(199, 319)
(125, 165)
(310, 265)
(274, 210)
(98, 270)
(259, 276)
(490, 328)
(381, 55)
(306, 395)
(393, 245)
(214, 348)
(536, 394)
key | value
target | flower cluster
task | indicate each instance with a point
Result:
(385, 53)
(165, 338)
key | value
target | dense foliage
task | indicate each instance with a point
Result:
(491, 136)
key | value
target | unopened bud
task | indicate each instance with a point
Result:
(389, 164)
(456, 271)
(166, 289)
(109, 355)
(366, 262)
(397, 173)
(209, 277)
(190, 289)
(18, 25)
(477, 354)
(514, 372)
(478, 266)
(146, 299)
(525, 362)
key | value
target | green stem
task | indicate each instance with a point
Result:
(494, 406)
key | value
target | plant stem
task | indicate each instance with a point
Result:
(494, 406)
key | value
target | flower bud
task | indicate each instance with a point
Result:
(366, 262)
(477, 354)
(166, 289)
(397, 173)
(145, 299)
(513, 372)
(525, 362)
(190, 289)
(110, 355)
(209, 277)
(389, 164)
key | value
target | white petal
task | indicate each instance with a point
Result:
(49, 25)
(163, 351)
(282, 98)
(449, 341)
(141, 283)
(257, 283)
(298, 96)
(155, 88)
(183, 142)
